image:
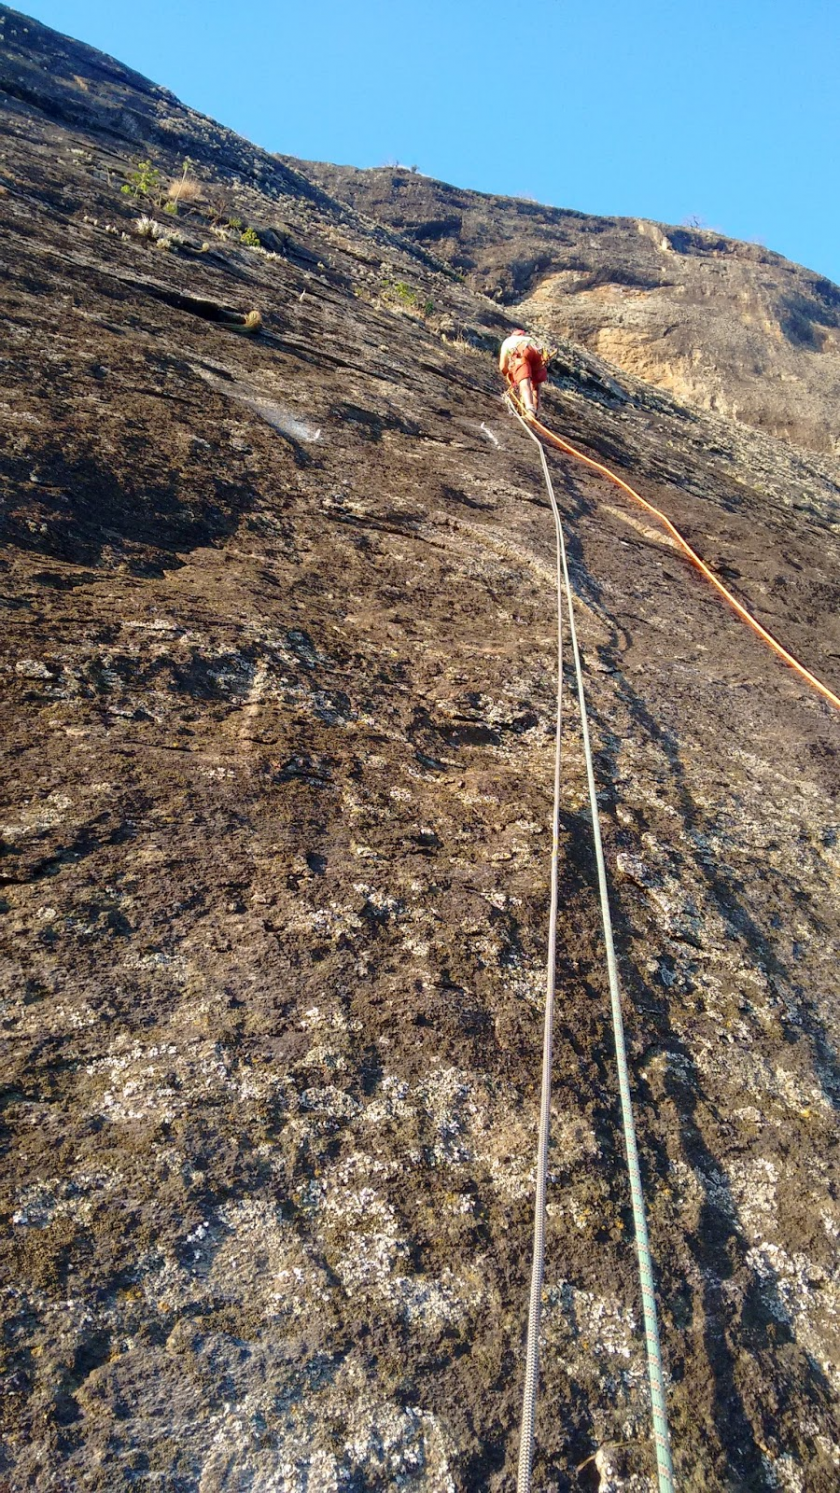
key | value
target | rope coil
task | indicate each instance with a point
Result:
(661, 1435)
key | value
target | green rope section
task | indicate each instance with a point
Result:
(532, 1351)
(662, 1440)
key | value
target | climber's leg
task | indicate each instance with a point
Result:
(525, 390)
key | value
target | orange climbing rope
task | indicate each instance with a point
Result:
(766, 637)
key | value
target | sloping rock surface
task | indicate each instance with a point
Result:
(725, 326)
(278, 701)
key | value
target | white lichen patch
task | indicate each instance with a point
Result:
(77, 1197)
(361, 1234)
(785, 1474)
(752, 1074)
(687, 1189)
(33, 668)
(319, 1019)
(445, 1099)
(430, 1305)
(36, 1206)
(525, 983)
(157, 1082)
(753, 1183)
(39, 814)
(331, 1102)
(256, 1260)
(176, 966)
(461, 1127)
(803, 1294)
(64, 1017)
(327, 922)
(391, 1102)
(369, 1260)
(386, 1445)
(598, 1324)
(597, 1341)
(402, 1448)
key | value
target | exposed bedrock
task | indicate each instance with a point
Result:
(278, 701)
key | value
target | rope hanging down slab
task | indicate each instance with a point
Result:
(662, 1441)
(532, 1350)
(691, 554)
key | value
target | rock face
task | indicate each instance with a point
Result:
(725, 326)
(278, 704)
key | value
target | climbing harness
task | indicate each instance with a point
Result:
(691, 554)
(654, 1357)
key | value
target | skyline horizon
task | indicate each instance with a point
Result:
(743, 155)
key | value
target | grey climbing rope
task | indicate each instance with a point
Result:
(661, 1435)
(532, 1348)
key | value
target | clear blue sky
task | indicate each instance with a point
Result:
(727, 110)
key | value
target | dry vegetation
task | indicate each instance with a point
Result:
(184, 190)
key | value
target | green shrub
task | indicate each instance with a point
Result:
(143, 181)
(408, 296)
(406, 293)
(251, 238)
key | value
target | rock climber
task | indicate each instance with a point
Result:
(523, 365)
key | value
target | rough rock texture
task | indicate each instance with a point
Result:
(278, 697)
(725, 326)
